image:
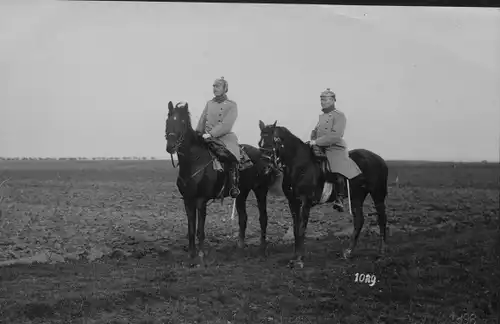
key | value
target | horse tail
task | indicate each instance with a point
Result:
(381, 188)
(375, 170)
(384, 180)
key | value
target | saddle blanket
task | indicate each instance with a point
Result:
(327, 192)
(336, 161)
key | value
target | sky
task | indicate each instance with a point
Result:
(94, 79)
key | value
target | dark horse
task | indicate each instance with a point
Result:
(198, 181)
(305, 175)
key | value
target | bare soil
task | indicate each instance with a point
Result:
(105, 242)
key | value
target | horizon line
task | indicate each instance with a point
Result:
(157, 158)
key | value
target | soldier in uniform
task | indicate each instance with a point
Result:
(217, 121)
(328, 134)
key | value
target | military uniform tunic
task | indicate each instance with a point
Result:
(218, 120)
(328, 133)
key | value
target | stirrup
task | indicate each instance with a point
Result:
(338, 207)
(234, 192)
(338, 204)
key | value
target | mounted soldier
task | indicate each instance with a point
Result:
(217, 121)
(328, 135)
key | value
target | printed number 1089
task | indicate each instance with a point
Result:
(365, 278)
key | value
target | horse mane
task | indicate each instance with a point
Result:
(289, 134)
(296, 140)
(186, 115)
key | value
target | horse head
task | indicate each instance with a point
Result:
(281, 143)
(266, 142)
(271, 141)
(177, 126)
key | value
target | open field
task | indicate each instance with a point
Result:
(120, 228)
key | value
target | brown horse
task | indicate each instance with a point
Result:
(199, 182)
(305, 176)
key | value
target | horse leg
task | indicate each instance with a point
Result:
(241, 208)
(201, 205)
(358, 220)
(302, 220)
(295, 210)
(190, 207)
(358, 197)
(261, 195)
(382, 224)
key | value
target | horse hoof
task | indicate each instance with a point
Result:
(296, 263)
(241, 244)
(347, 253)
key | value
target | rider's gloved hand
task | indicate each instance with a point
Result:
(206, 135)
(313, 142)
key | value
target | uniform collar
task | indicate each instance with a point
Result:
(328, 110)
(220, 99)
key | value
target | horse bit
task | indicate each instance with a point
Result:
(272, 153)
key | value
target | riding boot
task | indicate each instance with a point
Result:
(233, 180)
(338, 204)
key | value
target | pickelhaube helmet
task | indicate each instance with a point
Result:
(222, 81)
(329, 93)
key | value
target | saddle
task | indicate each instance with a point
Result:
(319, 152)
(321, 158)
(223, 155)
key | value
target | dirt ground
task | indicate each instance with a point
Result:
(105, 242)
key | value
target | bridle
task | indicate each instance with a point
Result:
(178, 143)
(273, 152)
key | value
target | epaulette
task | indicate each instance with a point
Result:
(338, 112)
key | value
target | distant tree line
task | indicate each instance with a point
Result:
(126, 158)
(76, 158)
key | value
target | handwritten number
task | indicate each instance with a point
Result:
(365, 278)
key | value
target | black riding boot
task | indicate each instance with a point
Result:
(338, 204)
(234, 191)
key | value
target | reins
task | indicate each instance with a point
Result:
(176, 147)
(272, 154)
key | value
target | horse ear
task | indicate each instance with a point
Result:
(170, 106)
(261, 125)
(274, 125)
(185, 107)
